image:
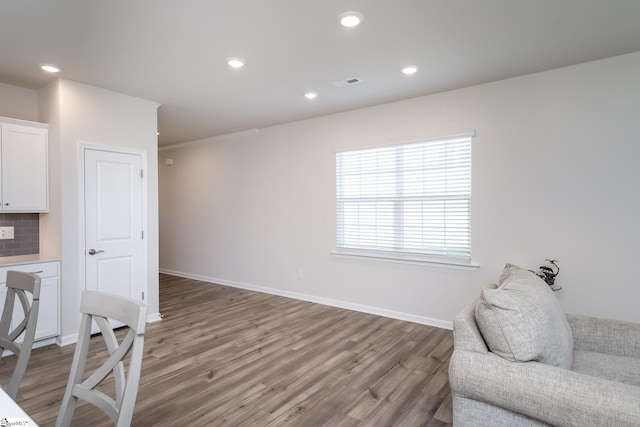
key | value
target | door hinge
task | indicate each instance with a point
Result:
(142, 234)
(141, 173)
(142, 295)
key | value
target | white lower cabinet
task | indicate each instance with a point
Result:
(48, 316)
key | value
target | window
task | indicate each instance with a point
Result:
(408, 202)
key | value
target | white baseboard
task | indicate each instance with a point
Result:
(36, 344)
(154, 317)
(444, 324)
(62, 341)
(67, 339)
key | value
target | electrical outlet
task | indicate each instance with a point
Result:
(6, 233)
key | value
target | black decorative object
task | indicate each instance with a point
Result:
(548, 274)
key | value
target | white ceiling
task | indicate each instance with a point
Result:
(173, 51)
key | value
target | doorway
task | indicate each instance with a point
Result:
(114, 222)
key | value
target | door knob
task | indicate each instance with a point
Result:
(93, 251)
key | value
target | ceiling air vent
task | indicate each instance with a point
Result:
(348, 82)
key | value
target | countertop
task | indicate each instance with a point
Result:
(13, 413)
(26, 259)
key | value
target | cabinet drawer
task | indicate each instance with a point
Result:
(42, 269)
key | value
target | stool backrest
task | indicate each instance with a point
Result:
(17, 335)
(101, 307)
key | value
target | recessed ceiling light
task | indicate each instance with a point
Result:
(311, 95)
(350, 19)
(50, 68)
(235, 62)
(410, 69)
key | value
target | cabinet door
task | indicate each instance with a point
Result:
(24, 168)
(48, 314)
(47, 325)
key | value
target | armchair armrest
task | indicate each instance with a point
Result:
(608, 336)
(553, 395)
(466, 334)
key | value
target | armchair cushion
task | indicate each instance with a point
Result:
(522, 320)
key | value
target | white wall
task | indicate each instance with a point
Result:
(18, 103)
(79, 113)
(555, 175)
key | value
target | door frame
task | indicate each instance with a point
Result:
(83, 147)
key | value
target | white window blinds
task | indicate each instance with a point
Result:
(409, 200)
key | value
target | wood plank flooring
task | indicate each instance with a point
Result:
(230, 357)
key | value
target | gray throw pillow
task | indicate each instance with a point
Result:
(522, 320)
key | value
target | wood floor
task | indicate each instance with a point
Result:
(229, 357)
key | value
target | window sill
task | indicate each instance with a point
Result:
(451, 263)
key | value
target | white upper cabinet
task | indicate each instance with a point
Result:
(23, 167)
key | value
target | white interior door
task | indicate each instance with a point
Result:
(113, 223)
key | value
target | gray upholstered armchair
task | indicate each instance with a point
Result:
(510, 367)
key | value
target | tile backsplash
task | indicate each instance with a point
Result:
(26, 233)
